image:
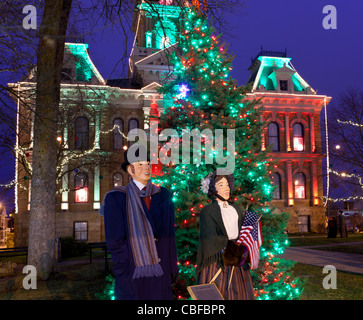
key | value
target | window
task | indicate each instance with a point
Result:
(304, 223)
(300, 186)
(81, 187)
(118, 140)
(81, 231)
(133, 124)
(81, 135)
(117, 180)
(276, 182)
(298, 131)
(273, 136)
(284, 85)
(148, 39)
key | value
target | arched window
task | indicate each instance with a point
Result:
(81, 187)
(117, 180)
(298, 132)
(276, 182)
(118, 140)
(81, 133)
(133, 124)
(300, 186)
(273, 136)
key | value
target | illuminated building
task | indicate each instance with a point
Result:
(291, 110)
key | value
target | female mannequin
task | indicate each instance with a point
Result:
(220, 223)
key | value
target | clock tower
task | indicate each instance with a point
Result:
(156, 25)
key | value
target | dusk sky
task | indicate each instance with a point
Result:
(330, 61)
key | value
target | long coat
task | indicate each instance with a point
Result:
(213, 239)
(161, 218)
(213, 235)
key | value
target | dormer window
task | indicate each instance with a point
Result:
(284, 85)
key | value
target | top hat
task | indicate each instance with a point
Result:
(135, 156)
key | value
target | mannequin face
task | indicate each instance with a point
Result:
(222, 188)
(140, 171)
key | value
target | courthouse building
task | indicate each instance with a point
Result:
(98, 113)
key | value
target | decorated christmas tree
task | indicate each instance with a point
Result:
(208, 125)
(204, 112)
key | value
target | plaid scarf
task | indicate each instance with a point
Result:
(141, 234)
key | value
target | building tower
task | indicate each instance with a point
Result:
(156, 25)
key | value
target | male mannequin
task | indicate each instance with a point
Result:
(141, 239)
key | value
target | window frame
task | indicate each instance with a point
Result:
(81, 138)
(117, 135)
(299, 185)
(295, 136)
(75, 232)
(85, 187)
(286, 85)
(278, 186)
(274, 148)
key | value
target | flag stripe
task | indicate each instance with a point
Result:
(251, 236)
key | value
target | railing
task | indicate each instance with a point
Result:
(12, 252)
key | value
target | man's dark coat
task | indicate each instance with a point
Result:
(161, 218)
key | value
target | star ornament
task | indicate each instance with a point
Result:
(183, 90)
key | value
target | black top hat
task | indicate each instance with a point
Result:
(136, 157)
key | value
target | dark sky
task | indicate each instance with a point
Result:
(329, 60)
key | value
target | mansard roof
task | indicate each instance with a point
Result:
(79, 65)
(271, 66)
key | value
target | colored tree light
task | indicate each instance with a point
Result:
(165, 2)
(204, 96)
(183, 91)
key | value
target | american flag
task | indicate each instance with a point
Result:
(251, 237)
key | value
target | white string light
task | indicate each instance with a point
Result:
(350, 123)
(327, 153)
(343, 199)
(341, 174)
(22, 152)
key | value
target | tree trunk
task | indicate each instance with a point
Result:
(41, 253)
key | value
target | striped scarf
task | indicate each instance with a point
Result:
(141, 234)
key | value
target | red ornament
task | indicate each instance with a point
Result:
(156, 169)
